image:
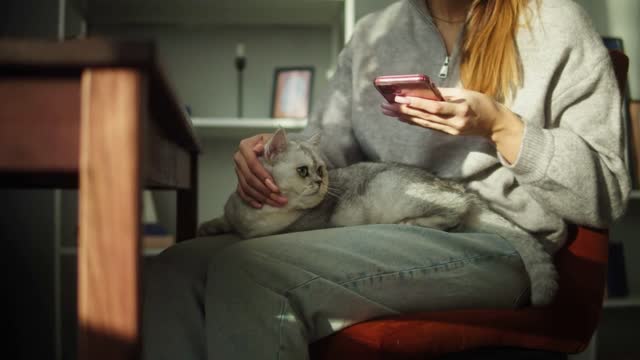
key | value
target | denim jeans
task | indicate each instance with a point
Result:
(268, 298)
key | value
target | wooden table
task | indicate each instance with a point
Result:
(99, 115)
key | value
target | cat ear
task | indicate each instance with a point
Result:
(276, 145)
(314, 140)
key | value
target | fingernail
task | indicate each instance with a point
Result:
(272, 186)
(273, 204)
(401, 100)
(256, 205)
(278, 198)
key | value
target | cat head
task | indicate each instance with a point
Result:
(297, 168)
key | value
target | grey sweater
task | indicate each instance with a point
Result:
(569, 168)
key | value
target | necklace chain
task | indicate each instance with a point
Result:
(448, 21)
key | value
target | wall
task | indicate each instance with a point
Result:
(199, 61)
(363, 7)
(29, 18)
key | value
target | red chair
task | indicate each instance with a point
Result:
(564, 327)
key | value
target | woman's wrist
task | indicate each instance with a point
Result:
(507, 133)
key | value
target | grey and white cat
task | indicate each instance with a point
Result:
(373, 193)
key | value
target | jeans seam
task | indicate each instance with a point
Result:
(316, 277)
(343, 284)
(284, 306)
(344, 288)
(293, 288)
(478, 257)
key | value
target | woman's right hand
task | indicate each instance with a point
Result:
(255, 185)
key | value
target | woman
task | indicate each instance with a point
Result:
(532, 123)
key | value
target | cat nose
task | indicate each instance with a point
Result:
(319, 182)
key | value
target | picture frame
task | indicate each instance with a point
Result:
(292, 91)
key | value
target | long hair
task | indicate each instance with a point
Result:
(490, 60)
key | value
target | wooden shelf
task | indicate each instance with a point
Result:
(73, 251)
(622, 302)
(242, 127)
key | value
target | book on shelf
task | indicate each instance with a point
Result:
(154, 235)
(157, 241)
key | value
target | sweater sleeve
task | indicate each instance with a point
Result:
(332, 118)
(574, 165)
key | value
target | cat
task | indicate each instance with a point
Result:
(373, 193)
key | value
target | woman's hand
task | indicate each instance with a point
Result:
(465, 112)
(255, 185)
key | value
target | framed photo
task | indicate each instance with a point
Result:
(292, 92)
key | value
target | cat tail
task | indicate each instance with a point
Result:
(537, 261)
(219, 225)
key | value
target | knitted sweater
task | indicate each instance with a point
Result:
(570, 166)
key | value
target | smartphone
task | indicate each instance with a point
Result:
(418, 85)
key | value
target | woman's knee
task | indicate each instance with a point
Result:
(185, 261)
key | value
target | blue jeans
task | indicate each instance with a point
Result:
(268, 298)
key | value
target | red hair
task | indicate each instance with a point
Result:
(490, 61)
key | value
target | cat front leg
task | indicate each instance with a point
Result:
(214, 227)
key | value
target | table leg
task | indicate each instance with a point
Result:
(109, 214)
(187, 212)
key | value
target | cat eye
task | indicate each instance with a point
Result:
(303, 171)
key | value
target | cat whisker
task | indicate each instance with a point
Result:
(334, 194)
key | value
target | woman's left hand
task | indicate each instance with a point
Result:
(465, 112)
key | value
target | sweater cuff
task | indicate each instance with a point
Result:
(534, 157)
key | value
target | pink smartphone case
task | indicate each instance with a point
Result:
(418, 85)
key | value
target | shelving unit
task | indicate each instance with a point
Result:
(73, 251)
(630, 301)
(242, 127)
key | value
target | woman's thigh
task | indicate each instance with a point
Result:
(182, 268)
(335, 277)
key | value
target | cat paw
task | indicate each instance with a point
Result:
(207, 229)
